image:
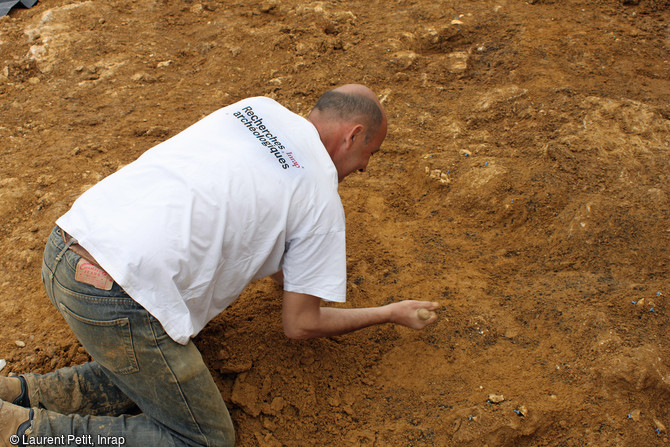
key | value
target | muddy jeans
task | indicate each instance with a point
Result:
(143, 389)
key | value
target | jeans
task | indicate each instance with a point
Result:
(142, 389)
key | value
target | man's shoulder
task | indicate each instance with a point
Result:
(258, 101)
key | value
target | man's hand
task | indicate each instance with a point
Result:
(303, 317)
(406, 313)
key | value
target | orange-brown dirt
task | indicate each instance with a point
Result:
(524, 185)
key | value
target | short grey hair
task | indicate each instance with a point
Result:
(348, 106)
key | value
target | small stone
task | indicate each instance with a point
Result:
(278, 404)
(3, 363)
(444, 178)
(458, 61)
(142, 77)
(659, 426)
(404, 59)
(20, 344)
(157, 131)
(511, 333)
(33, 34)
(465, 152)
(496, 398)
(163, 64)
(403, 77)
(268, 7)
(635, 415)
(236, 368)
(423, 314)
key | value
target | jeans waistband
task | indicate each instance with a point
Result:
(78, 249)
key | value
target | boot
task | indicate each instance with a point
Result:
(14, 421)
(14, 390)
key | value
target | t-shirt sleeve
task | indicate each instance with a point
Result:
(317, 265)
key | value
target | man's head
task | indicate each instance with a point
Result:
(352, 125)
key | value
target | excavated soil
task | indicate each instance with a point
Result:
(524, 185)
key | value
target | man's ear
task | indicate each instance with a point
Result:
(355, 132)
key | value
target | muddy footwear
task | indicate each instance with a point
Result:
(14, 421)
(14, 390)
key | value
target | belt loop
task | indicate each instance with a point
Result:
(60, 256)
(65, 248)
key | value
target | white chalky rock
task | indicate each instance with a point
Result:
(496, 398)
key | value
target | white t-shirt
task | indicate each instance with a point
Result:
(241, 194)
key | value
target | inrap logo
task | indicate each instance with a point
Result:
(265, 137)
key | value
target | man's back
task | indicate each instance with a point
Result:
(185, 227)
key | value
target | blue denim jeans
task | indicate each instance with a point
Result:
(142, 388)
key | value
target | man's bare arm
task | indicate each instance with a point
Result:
(278, 278)
(304, 317)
